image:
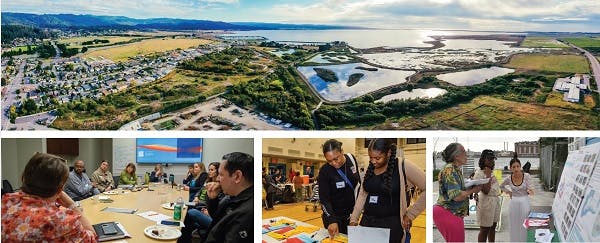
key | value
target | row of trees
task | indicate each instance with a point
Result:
(279, 94)
(95, 41)
(67, 52)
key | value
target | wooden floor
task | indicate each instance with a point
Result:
(297, 211)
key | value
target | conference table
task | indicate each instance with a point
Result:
(147, 199)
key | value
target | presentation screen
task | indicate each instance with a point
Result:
(168, 150)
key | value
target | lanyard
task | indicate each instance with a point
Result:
(345, 178)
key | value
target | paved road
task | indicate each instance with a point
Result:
(10, 96)
(593, 63)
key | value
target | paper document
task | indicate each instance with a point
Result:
(119, 210)
(154, 216)
(360, 234)
(539, 215)
(543, 235)
(470, 183)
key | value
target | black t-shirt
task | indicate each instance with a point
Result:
(335, 195)
(380, 202)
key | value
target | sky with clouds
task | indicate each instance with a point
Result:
(489, 15)
(479, 144)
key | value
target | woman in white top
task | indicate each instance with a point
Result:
(488, 203)
(519, 189)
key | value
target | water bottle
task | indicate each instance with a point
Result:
(177, 209)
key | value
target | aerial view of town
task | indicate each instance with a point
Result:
(286, 65)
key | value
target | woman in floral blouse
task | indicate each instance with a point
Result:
(453, 201)
(41, 211)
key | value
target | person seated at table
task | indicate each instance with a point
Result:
(78, 185)
(42, 211)
(384, 185)
(213, 173)
(190, 174)
(198, 217)
(197, 182)
(233, 216)
(128, 175)
(158, 175)
(103, 178)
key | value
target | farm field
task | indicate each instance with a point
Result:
(124, 52)
(584, 42)
(76, 42)
(490, 113)
(552, 63)
(542, 42)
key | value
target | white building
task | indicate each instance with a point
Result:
(571, 87)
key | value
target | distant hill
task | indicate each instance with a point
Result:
(11, 32)
(71, 21)
(277, 26)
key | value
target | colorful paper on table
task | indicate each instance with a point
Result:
(305, 238)
(294, 240)
(307, 229)
(337, 239)
(535, 222)
(282, 221)
(291, 233)
(368, 234)
(283, 230)
(278, 227)
(276, 236)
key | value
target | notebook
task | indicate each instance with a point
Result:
(104, 234)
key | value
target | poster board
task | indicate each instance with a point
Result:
(577, 219)
(586, 226)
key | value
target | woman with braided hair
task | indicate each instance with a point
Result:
(337, 181)
(382, 198)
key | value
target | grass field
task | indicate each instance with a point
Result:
(584, 41)
(76, 41)
(206, 82)
(553, 63)
(545, 42)
(490, 113)
(22, 48)
(556, 99)
(124, 52)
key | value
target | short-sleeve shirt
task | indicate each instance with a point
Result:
(451, 184)
(33, 219)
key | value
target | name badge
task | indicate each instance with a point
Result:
(353, 169)
(373, 199)
(340, 184)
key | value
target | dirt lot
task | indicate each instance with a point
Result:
(213, 115)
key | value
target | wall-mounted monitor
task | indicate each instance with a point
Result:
(169, 150)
